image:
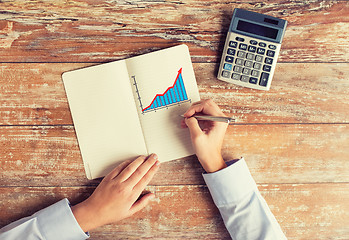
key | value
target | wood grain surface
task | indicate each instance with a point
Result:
(295, 137)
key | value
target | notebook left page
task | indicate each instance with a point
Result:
(104, 115)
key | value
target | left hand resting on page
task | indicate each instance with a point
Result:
(116, 196)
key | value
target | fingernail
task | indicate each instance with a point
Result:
(155, 156)
(157, 163)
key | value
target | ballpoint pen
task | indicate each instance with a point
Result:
(214, 118)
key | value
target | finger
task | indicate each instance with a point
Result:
(130, 169)
(206, 106)
(194, 127)
(141, 203)
(118, 169)
(143, 169)
(142, 183)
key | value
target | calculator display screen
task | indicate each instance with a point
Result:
(257, 29)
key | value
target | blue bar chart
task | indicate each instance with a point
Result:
(174, 94)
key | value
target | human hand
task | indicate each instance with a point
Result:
(207, 140)
(116, 196)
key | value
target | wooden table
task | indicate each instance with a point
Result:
(295, 137)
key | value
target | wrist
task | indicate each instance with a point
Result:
(83, 216)
(213, 164)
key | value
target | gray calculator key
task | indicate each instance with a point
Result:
(227, 66)
(264, 79)
(241, 54)
(225, 74)
(235, 76)
(231, 51)
(239, 61)
(258, 58)
(229, 59)
(250, 56)
(262, 44)
(255, 73)
(246, 71)
(245, 78)
(233, 44)
(248, 64)
(261, 51)
(257, 65)
(237, 69)
(253, 42)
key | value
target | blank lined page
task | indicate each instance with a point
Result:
(104, 115)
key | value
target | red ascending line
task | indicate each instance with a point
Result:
(158, 95)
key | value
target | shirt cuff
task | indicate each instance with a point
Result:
(230, 184)
(58, 220)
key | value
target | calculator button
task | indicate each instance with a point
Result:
(273, 47)
(227, 66)
(250, 56)
(231, 51)
(255, 73)
(266, 68)
(242, 46)
(270, 53)
(257, 66)
(240, 39)
(262, 44)
(237, 69)
(258, 58)
(229, 59)
(245, 78)
(235, 76)
(268, 60)
(260, 51)
(264, 79)
(246, 71)
(252, 48)
(253, 80)
(248, 64)
(233, 44)
(253, 42)
(241, 54)
(225, 74)
(239, 61)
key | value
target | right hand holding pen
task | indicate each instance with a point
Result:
(208, 140)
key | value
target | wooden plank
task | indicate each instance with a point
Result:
(33, 94)
(310, 211)
(78, 31)
(49, 156)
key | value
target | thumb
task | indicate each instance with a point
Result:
(193, 126)
(141, 203)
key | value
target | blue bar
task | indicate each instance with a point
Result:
(165, 98)
(176, 93)
(162, 100)
(182, 86)
(158, 102)
(179, 91)
(173, 96)
(155, 104)
(169, 97)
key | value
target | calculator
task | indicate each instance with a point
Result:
(251, 49)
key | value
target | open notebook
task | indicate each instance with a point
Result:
(132, 107)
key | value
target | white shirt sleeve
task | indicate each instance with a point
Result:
(245, 213)
(54, 222)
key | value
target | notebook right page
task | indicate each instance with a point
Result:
(164, 88)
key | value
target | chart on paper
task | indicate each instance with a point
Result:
(173, 95)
